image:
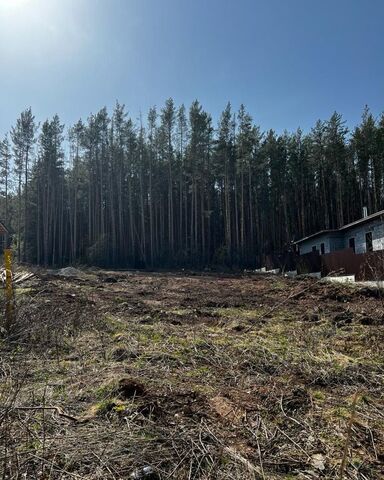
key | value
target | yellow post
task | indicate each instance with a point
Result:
(8, 288)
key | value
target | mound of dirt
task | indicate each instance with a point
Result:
(68, 272)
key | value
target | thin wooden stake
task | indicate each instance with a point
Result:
(8, 289)
(349, 432)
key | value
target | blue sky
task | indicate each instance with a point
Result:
(289, 61)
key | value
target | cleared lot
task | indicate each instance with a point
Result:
(193, 376)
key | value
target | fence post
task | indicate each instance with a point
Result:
(8, 289)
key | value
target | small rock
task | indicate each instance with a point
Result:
(318, 461)
(144, 473)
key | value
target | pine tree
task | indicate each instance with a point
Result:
(168, 119)
(368, 166)
(5, 171)
(23, 138)
(224, 168)
(336, 155)
(245, 143)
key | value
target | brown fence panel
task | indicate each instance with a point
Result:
(365, 266)
(343, 262)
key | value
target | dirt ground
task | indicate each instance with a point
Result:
(118, 375)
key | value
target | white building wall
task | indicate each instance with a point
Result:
(338, 242)
(359, 232)
(306, 247)
(331, 242)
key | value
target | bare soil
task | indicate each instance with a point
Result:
(116, 375)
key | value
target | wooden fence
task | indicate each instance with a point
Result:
(365, 266)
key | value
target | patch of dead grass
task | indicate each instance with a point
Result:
(239, 381)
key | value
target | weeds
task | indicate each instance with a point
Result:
(92, 391)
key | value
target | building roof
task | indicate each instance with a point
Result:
(368, 218)
(317, 234)
(342, 229)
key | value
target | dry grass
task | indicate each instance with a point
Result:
(224, 377)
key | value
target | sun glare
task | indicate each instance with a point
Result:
(13, 3)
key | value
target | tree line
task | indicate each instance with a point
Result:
(173, 189)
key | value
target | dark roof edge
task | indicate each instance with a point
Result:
(362, 220)
(344, 227)
(317, 234)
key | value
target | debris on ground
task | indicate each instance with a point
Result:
(69, 272)
(17, 277)
(205, 376)
(144, 473)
